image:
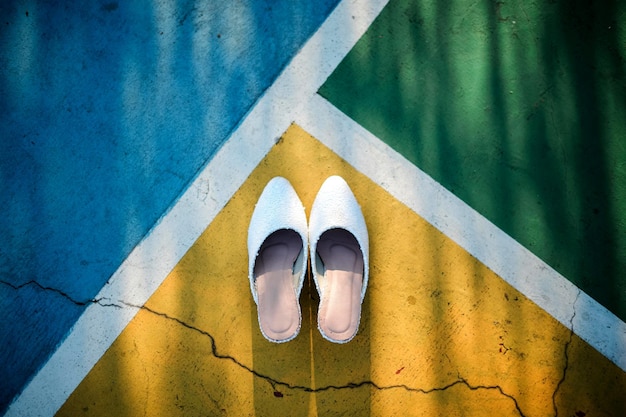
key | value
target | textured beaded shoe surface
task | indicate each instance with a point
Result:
(339, 259)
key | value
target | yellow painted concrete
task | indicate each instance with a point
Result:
(440, 335)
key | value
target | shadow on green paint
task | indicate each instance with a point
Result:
(517, 108)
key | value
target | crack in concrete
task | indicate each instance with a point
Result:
(272, 381)
(352, 385)
(99, 301)
(566, 355)
(51, 289)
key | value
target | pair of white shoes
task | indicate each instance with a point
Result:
(278, 248)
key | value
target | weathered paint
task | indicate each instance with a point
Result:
(108, 110)
(150, 261)
(516, 107)
(468, 392)
(499, 252)
(440, 333)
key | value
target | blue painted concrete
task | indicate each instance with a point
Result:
(107, 111)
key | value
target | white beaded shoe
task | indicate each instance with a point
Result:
(277, 261)
(339, 259)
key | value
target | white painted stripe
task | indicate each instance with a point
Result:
(152, 260)
(499, 252)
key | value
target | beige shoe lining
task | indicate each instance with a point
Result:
(278, 308)
(340, 304)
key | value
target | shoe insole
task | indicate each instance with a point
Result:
(278, 308)
(340, 305)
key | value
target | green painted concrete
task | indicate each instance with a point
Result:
(519, 108)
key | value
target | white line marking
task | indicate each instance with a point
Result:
(490, 245)
(152, 260)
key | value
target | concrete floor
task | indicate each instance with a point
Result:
(140, 137)
(441, 334)
(107, 112)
